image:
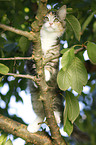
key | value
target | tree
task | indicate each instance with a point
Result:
(80, 36)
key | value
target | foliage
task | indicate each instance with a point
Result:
(91, 48)
(80, 32)
(71, 112)
(3, 69)
(73, 73)
(4, 141)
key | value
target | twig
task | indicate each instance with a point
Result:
(29, 35)
(23, 76)
(45, 61)
(80, 49)
(17, 58)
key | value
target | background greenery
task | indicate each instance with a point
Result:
(20, 14)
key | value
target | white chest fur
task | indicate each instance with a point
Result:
(49, 33)
(48, 39)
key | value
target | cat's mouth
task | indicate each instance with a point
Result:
(51, 28)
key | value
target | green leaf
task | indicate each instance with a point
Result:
(69, 33)
(72, 106)
(91, 49)
(74, 76)
(8, 142)
(67, 58)
(75, 25)
(71, 112)
(64, 50)
(3, 69)
(80, 56)
(65, 114)
(23, 43)
(68, 126)
(3, 138)
(78, 75)
(87, 21)
(63, 80)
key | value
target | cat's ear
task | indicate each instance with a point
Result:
(62, 12)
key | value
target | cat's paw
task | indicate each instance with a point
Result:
(34, 127)
(47, 75)
(57, 117)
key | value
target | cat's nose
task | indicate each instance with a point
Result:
(51, 23)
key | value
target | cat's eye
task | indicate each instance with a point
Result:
(46, 19)
(56, 20)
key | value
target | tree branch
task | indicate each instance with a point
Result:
(17, 58)
(45, 91)
(23, 76)
(20, 130)
(55, 133)
(45, 61)
(79, 49)
(30, 36)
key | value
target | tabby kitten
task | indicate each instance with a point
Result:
(52, 29)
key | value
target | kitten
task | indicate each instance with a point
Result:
(51, 31)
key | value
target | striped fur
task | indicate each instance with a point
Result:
(51, 31)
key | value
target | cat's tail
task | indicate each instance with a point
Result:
(80, 136)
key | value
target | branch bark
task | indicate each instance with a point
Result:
(30, 36)
(46, 96)
(78, 50)
(46, 93)
(17, 58)
(20, 130)
(23, 76)
(55, 133)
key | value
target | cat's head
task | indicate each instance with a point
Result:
(54, 22)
